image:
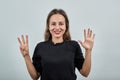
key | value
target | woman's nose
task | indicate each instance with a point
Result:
(57, 26)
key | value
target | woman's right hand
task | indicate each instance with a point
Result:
(24, 48)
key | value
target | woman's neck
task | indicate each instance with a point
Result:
(57, 40)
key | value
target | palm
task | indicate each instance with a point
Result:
(89, 40)
(24, 45)
(24, 48)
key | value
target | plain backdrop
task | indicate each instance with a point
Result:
(19, 17)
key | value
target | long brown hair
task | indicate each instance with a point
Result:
(66, 35)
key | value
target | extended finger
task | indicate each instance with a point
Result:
(27, 39)
(19, 40)
(88, 32)
(84, 33)
(93, 36)
(23, 40)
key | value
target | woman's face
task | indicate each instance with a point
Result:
(57, 26)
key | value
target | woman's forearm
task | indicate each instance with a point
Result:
(30, 67)
(87, 64)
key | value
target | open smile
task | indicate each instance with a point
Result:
(57, 32)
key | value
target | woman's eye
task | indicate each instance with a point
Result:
(61, 23)
(53, 24)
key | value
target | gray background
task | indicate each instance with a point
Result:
(19, 17)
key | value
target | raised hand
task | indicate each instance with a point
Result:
(88, 40)
(24, 48)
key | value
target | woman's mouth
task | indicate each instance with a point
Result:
(57, 32)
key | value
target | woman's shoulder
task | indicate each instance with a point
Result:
(72, 42)
(42, 43)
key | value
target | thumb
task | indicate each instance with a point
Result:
(80, 42)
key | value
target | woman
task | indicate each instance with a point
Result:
(57, 57)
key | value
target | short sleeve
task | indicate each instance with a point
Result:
(79, 59)
(37, 59)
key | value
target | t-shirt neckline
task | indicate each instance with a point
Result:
(60, 43)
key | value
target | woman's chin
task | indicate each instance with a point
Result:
(57, 37)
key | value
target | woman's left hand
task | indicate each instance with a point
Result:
(89, 40)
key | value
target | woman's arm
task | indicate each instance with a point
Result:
(31, 69)
(88, 45)
(24, 48)
(87, 64)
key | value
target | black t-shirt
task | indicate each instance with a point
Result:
(58, 61)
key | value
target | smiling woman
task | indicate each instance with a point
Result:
(57, 57)
(59, 19)
(57, 26)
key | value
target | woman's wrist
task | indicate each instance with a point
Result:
(25, 55)
(88, 50)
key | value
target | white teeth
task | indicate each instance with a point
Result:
(57, 32)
